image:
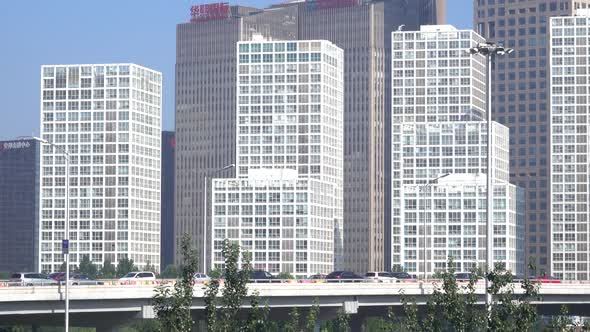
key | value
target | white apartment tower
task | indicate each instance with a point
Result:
(285, 206)
(570, 145)
(108, 117)
(438, 107)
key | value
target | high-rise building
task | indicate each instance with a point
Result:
(205, 102)
(286, 204)
(108, 118)
(206, 63)
(167, 210)
(520, 101)
(438, 107)
(363, 30)
(19, 205)
(570, 146)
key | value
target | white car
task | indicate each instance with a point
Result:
(201, 278)
(379, 277)
(138, 276)
(32, 279)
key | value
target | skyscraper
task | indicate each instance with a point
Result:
(286, 204)
(108, 117)
(363, 30)
(570, 146)
(520, 101)
(438, 107)
(206, 62)
(167, 210)
(205, 102)
(19, 205)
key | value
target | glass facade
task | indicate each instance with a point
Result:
(19, 205)
(289, 137)
(570, 167)
(438, 107)
(108, 117)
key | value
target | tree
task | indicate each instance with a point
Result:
(398, 268)
(292, 325)
(125, 266)
(285, 276)
(561, 322)
(149, 267)
(170, 272)
(312, 316)
(87, 267)
(108, 270)
(173, 305)
(342, 321)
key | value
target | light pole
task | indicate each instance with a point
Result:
(423, 190)
(489, 50)
(66, 241)
(207, 175)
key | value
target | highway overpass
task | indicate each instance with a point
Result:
(107, 307)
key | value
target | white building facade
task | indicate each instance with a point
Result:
(108, 117)
(285, 207)
(438, 107)
(570, 144)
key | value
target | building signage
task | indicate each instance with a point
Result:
(14, 145)
(324, 4)
(209, 12)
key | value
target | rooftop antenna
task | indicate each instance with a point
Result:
(401, 27)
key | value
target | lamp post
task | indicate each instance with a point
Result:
(423, 190)
(489, 50)
(66, 240)
(207, 175)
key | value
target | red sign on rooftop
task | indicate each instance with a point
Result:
(208, 12)
(324, 4)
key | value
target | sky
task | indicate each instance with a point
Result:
(33, 33)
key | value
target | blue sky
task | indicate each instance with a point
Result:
(39, 32)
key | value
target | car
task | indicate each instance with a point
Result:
(379, 277)
(343, 276)
(259, 276)
(138, 276)
(56, 275)
(201, 278)
(32, 279)
(400, 275)
(82, 279)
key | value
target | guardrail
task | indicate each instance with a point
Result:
(158, 282)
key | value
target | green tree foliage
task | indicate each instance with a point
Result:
(125, 266)
(292, 324)
(285, 276)
(453, 305)
(172, 304)
(87, 267)
(223, 314)
(561, 322)
(312, 316)
(108, 270)
(170, 272)
(342, 322)
(149, 267)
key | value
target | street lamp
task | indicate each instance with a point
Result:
(66, 241)
(423, 190)
(489, 50)
(207, 175)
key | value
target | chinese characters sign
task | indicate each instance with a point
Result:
(208, 12)
(324, 4)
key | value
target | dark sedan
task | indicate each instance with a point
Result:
(343, 276)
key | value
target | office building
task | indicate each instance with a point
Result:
(19, 205)
(520, 93)
(205, 102)
(570, 166)
(438, 107)
(167, 209)
(286, 204)
(108, 117)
